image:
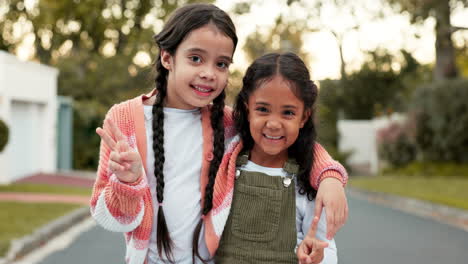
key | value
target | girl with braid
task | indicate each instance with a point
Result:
(160, 152)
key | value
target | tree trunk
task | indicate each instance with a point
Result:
(339, 42)
(445, 67)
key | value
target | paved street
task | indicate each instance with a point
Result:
(373, 235)
(95, 245)
(376, 234)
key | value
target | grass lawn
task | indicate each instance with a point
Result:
(43, 188)
(20, 219)
(449, 191)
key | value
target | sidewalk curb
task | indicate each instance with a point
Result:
(22, 246)
(445, 214)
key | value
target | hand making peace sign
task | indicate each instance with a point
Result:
(124, 161)
(311, 250)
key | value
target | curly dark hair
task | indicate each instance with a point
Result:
(183, 21)
(290, 67)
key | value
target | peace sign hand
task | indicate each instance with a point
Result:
(124, 161)
(311, 250)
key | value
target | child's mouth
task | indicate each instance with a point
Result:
(273, 138)
(202, 90)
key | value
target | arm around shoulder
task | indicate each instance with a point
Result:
(326, 167)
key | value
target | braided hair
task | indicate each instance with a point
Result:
(183, 21)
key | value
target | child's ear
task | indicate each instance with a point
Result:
(305, 117)
(166, 60)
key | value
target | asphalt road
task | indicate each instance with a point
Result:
(373, 235)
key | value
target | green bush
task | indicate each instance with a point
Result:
(326, 120)
(441, 110)
(395, 144)
(3, 135)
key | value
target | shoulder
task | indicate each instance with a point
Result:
(121, 108)
(123, 114)
(228, 111)
(229, 128)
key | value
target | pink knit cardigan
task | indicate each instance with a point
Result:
(128, 208)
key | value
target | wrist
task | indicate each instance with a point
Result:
(331, 181)
(331, 177)
(134, 181)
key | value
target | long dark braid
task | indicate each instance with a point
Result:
(163, 239)
(217, 123)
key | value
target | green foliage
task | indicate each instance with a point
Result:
(442, 121)
(234, 87)
(462, 59)
(326, 118)
(395, 144)
(327, 113)
(93, 43)
(284, 36)
(4, 132)
(440, 10)
(376, 89)
(96, 83)
(430, 169)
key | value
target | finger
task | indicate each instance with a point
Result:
(317, 257)
(313, 227)
(130, 156)
(119, 146)
(106, 138)
(304, 250)
(317, 253)
(122, 146)
(346, 213)
(331, 227)
(114, 166)
(340, 220)
(114, 129)
(125, 146)
(116, 157)
(318, 244)
(318, 207)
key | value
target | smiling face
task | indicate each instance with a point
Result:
(275, 116)
(198, 71)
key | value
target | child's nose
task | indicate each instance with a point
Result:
(207, 73)
(273, 123)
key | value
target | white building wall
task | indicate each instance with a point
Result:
(360, 137)
(28, 104)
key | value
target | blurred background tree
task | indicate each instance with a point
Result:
(101, 48)
(440, 10)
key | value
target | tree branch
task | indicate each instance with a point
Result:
(456, 28)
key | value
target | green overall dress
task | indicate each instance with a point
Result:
(261, 227)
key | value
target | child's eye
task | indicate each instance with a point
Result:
(222, 64)
(261, 109)
(289, 113)
(196, 59)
